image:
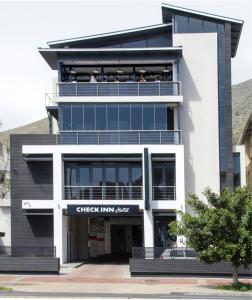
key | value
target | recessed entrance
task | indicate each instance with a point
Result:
(101, 237)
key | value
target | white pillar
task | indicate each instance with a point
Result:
(148, 228)
(59, 221)
(180, 189)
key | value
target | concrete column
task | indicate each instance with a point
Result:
(148, 228)
(59, 221)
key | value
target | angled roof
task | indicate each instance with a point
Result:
(100, 37)
(236, 25)
(247, 130)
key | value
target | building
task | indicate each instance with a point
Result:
(139, 119)
(246, 140)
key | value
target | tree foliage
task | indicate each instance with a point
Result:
(221, 227)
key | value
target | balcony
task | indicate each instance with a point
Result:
(164, 193)
(127, 137)
(103, 192)
(86, 89)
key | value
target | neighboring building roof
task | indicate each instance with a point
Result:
(149, 29)
(247, 130)
(241, 107)
(51, 55)
(236, 25)
(38, 127)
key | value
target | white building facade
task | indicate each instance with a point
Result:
(139, 119)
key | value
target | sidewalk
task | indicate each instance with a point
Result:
(114, 279)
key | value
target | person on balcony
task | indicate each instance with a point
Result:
(142, 79)
(93, 79)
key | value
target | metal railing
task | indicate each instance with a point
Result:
(103, 192)
(162, 252)
(163, 88)
(164, 192)
(121, 137)
(26, 251)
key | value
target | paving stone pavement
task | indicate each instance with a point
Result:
(111, 278)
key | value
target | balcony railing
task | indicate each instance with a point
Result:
(103, 192)
(27, 251)
(121, 137)
(164, 193)
(164, 88)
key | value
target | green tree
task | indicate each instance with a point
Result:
(221, 227)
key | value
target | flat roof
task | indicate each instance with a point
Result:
(236, 24)
(51, 54)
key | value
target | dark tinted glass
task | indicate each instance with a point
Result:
(160, 117)
(209, 26)
(110, 175)
(170, 174)
(236, 169)
(195, 25)
(157, 176)
(100, 117)
(112, 111)
(137, 176)
(170, 118)
(97, 176)
(84, 176)
(148, 117)
(124, 117)
(181, 24)
(89, 117)
(136, 117)
(65, 117)
(123, 174)
(77, 117)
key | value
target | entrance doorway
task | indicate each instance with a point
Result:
(118, 239)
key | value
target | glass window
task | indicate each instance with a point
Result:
(222, 110)
(110, 173)
(170, 118)
(97, 176)
(100, 117)
(112, 111)
(169, 171)
(65, 117)
(136, 117)
(84, 176)
(77, 117)
(136, 176)
(71, 175)
(160, 117)
(124, 117)
(209, 26)
(157, 176)
(148, 117)
(195, 25)
(89, 117)
(123, 174)
(236, 168)
(220, 28)
(181, 24)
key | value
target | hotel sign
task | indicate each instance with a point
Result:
(103, 210)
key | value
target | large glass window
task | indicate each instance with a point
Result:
(237, 169)
(124, 117)
(136, 176)
(100, 117)
(89, 117)
(97, 176)
(77, 117)
(112, 111)
(160, 117)
(136, 117)
(65, 117)
(148, 117)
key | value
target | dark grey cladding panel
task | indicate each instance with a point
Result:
(30, 180)
(146, 179)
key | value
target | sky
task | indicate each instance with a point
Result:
(26, 25)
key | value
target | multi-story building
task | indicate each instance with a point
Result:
(139, 118)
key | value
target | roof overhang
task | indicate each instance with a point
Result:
(236, 25)
(96, 56)
(246, 131)
(109, 35)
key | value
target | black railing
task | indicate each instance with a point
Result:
(18, 251)
(162, 252)
(164, 88)
(121, 137)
